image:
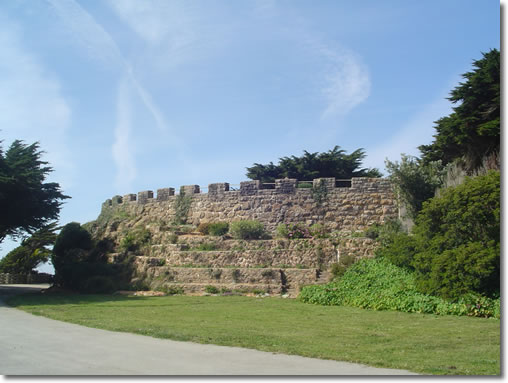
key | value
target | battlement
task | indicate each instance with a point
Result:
(251, 188)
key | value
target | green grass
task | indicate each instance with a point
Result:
(427, 344)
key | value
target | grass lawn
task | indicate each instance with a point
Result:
(427, 344)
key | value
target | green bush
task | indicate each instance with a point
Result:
(211, 289)
(458, 237)
(171, 290)
(135, 240)
(247, 229)
(379, 285)
(206, 247)
(338, 269)
(218, 228)
(400, 250)
(293, 231)
(173, 238)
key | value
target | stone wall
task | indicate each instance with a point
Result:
(365, 202)
(10, 279)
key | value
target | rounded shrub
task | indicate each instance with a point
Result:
(248, 229)
(218, 228)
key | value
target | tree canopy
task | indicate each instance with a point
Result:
(472, 131)
(31, 253)
(27, 202)
(333, 163)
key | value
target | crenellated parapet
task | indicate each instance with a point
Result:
(342, 204)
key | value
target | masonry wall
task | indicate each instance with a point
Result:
(339, 206)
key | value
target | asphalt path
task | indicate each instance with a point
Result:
(34, 345)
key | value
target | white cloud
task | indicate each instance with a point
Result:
(99, 45)
(122, 147)
(347, 81)
(82, 28)
(32, 106)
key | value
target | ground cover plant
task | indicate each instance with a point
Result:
(427, 344)
(378, 284)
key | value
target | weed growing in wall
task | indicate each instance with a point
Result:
(182, 207)
(319, 192)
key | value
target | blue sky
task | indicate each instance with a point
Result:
(128, 95)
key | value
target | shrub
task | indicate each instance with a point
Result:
(135, 240)
(379, 285)
(171, 290)
(235, 274)
(204, 228)
(218, 228)
(247, 229)
(338, 269)
(173, 238)
(400, 250)
(293, 231)
(319, 230)
(459, 236)
(206, 247)
(211, 289)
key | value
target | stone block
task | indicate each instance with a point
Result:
(145, 196)
(285, 185)
(129, 198)
(249, 187)
(116, 200)
(218, 188)
(163, 194)
(190, 189)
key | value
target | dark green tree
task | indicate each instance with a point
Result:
(333, 163)
(33, 251)
(27, 202)
(472, 131)
(415, 181)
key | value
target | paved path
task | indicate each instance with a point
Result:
(33, 345)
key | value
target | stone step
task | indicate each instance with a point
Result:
(248, 258)
(242, 288)
(283, 277)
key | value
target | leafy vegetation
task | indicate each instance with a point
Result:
(31, 253)
(182, 207)
(27, 202)
(293, 231)
(473, 130)
(247, 229)
(81, 265)
(213, 228)
(379, 285)
(334, 163)
(428, 344)
(415, 181)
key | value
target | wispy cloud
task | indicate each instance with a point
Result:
(82, 29)
(32, 106)
(99, 45)
(347, 81)
(123, 150)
